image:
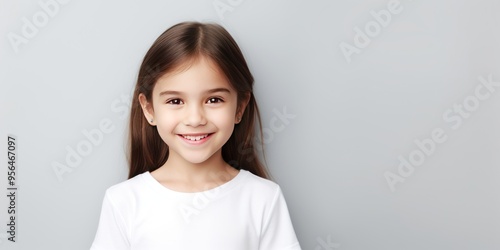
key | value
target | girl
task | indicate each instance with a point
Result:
(195, 181)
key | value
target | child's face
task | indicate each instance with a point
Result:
(194, 111)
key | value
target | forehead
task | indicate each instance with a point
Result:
(193, 77)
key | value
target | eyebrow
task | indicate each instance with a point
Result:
(210, 91)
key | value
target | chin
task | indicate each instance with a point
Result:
(197, 159)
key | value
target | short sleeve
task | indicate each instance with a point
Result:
(112, 230)
(278, 232)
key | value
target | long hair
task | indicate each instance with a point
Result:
(178, 45)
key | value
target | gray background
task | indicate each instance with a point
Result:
(352, 120)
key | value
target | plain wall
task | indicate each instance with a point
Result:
(383, 132)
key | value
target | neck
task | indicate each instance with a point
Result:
(214, 170)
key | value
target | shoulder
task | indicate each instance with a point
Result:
(128, 185)
(128, 190)
(259, 188)
(259, 183)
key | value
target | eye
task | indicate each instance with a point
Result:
(214, 100)
(174, 101)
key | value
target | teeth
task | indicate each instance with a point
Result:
(194, 138)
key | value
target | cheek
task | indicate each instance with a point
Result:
(225, 124)
(224, 116)
(165, 120)
(164, 112)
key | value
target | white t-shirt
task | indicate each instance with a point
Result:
(246, 213)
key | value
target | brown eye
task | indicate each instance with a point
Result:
(214, 100)
(175, 101)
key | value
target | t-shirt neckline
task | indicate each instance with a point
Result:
(223, 187)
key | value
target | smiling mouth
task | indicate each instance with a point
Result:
(195, 137)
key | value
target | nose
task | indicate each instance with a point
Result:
(195, 116)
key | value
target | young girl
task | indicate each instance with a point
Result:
(195, 181)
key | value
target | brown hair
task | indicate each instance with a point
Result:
(178, 45)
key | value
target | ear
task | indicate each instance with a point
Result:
(242, 105)
(147, 109)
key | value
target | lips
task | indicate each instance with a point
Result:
(195, 138)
